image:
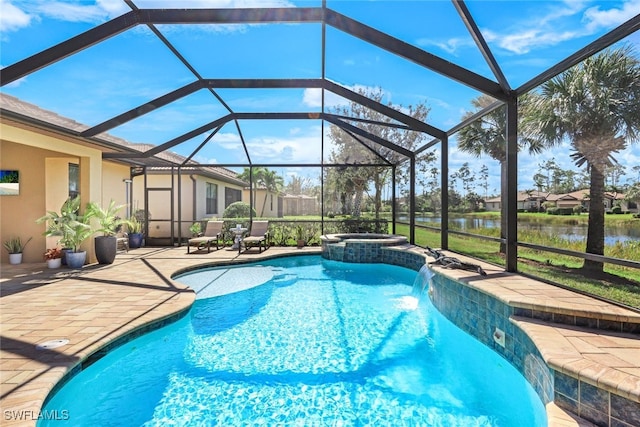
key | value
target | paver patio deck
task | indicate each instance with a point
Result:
(94, 306)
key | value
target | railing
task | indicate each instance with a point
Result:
(284, 232)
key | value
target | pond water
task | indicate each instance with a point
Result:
(565, 231)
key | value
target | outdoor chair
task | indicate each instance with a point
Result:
(258, 236)
(212, 234)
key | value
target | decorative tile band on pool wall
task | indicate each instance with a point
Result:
(479, 314)
(372, 252)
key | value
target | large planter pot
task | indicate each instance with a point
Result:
(135, 240)
(64, 252)
(76, 259)
(106, 247)
(15, 258)
(54, 263)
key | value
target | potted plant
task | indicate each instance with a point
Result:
(134, 229)
(72, 228)
(15, 247)
(53, 257)
(55, 221)
(108, 220)
(300, 236)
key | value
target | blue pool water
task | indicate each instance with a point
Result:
(318, 343)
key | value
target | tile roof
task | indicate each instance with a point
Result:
(159, 162)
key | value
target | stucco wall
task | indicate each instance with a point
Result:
(270, 211)
(160, 201)
(20, 212)
(113, 185)
(43, 161)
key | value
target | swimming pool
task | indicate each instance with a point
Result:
(318, 342)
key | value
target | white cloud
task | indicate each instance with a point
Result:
(206, 160)
(597, 18)
(12, 17)
(72, 12)
(312, 97)
(549, 28)
(451, 45)
(299, 149)
(527, 40)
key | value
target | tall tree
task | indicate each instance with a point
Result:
(487, 136)
(271, 182)
(484, 180)
(253, 176)
(596, 107)
(349, 151)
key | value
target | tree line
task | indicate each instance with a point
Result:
(593, 106)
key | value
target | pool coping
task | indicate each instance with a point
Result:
(33, 313)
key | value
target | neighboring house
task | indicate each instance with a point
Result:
(300, 205)
(570, 200)
(493, 204)
(271, 201)
(535, 199)
(54, 162)
(199, 193)
(527, 200)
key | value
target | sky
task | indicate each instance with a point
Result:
(134, 67)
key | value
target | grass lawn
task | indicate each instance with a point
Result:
(618, 283)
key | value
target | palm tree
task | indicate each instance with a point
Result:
(271, 182)
(253, 176)
(596, 107)
(487, 135)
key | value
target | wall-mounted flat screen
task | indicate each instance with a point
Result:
(9, 183)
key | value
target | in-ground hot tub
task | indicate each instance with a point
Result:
(363, 247)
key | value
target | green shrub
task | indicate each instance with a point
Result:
(616, 210)
(238, 210)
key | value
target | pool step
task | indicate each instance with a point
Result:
(283, 280)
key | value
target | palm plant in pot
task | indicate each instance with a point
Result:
(72, 228)
(15, 247)
(135, 226)
(106, 245)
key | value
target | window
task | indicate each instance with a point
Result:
(212, 198)
(74, 180)
(231, 195)
(271, 200)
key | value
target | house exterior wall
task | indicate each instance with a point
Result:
(493, 206)
(567, 203)
(43, 158)
(270, 207)
(192, 192)
(113, 185)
